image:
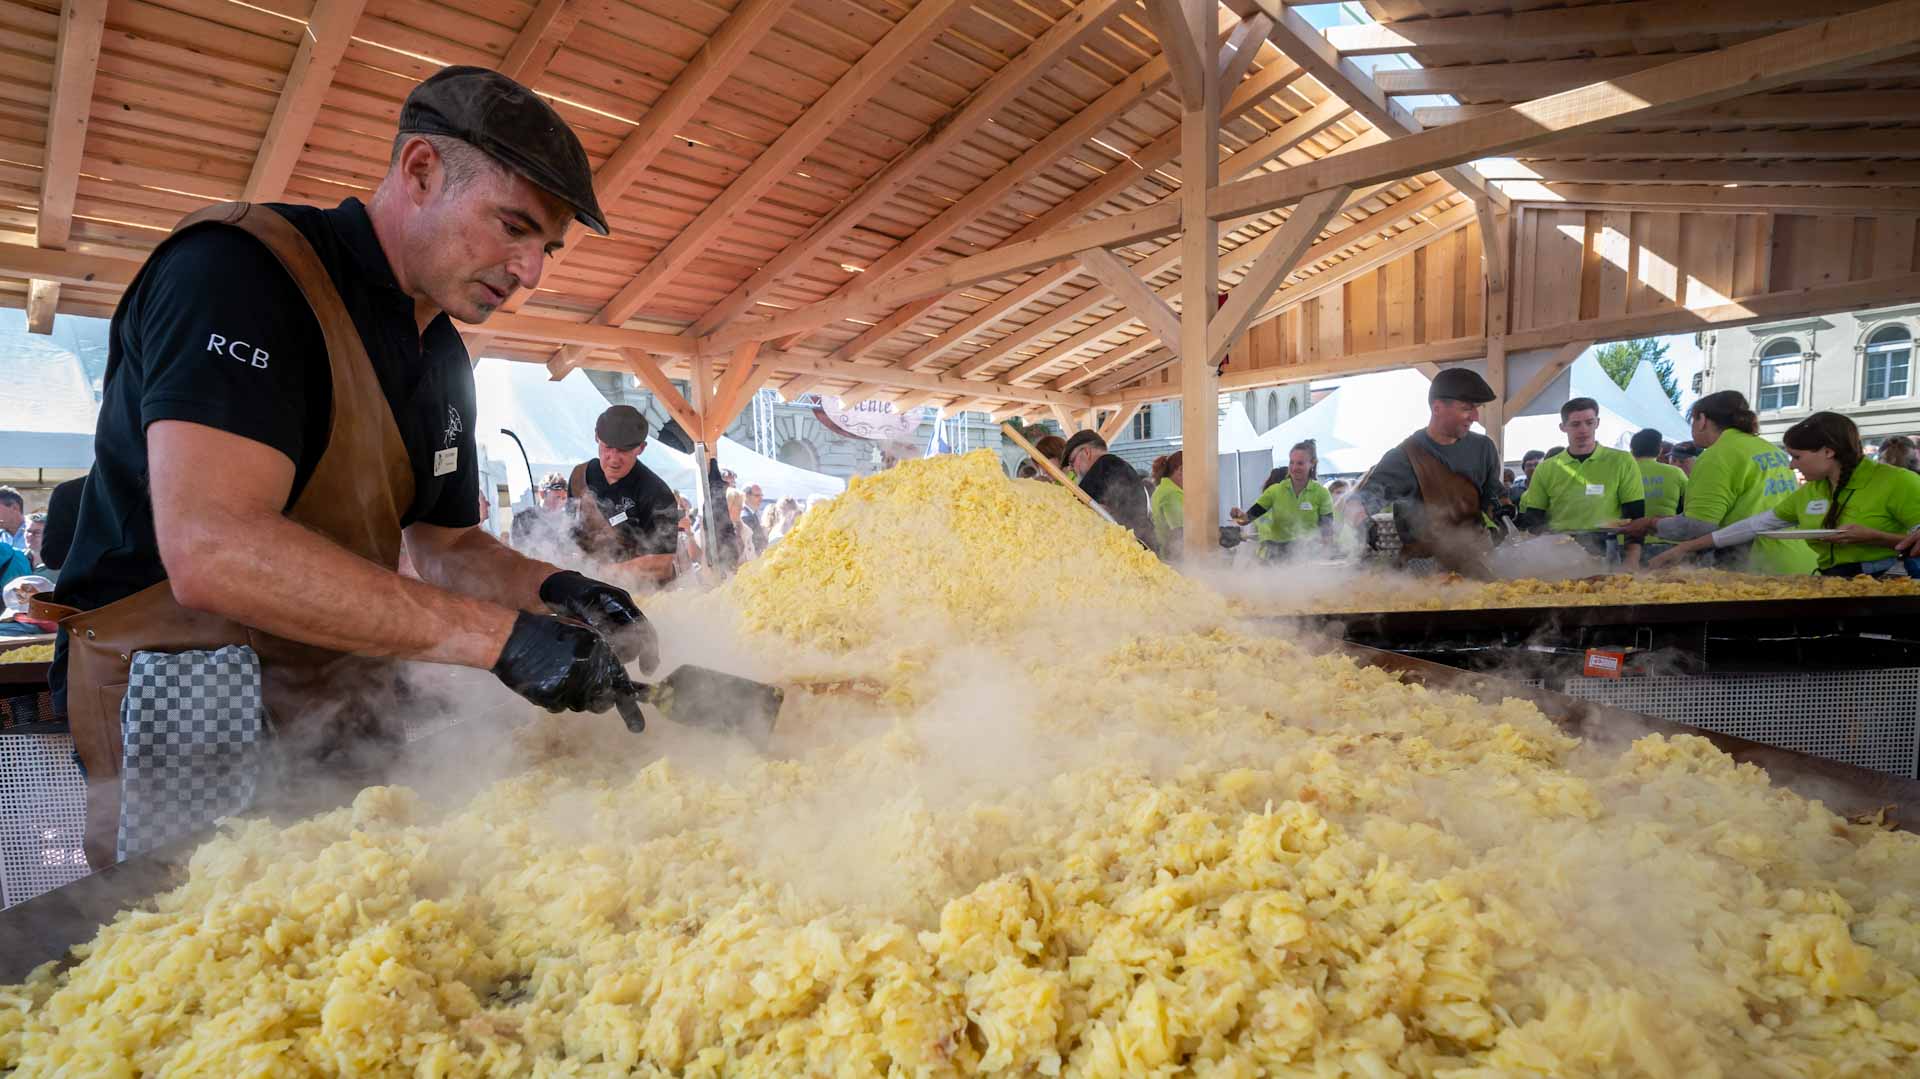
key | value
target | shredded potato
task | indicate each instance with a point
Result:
(1382, 592)
(31, 653)
(1148, 842)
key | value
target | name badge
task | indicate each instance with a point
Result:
(445, 461)
(1306, 507)
(1596, 489)
(1818, 505)
(618, 518)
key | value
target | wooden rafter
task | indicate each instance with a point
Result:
(1848, 200)
(1300, 42)
(76, 58)
(1717, 171)
(545, 31)
(1134, 294)
(1062, 39)
(322, 47)
(877, 66)
(1839, 106)
(690, 90)
(1185, 52)
(1585, 27)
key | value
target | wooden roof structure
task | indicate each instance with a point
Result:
(1031, 206)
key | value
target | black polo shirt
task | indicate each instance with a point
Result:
(215, 332)
(640, 506)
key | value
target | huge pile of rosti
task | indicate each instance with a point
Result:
(1048, 812)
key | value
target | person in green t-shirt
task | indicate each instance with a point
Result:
(1170, 502)
(1588, 487)
(1665, 485)
(1874, 508)
(1292, 507)
(1737, 475)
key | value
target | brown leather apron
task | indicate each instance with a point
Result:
(361, 485)
(1452, 533)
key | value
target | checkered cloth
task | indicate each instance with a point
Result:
(192, 726)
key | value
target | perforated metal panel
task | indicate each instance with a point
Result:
(1869, 718)
(43, 815)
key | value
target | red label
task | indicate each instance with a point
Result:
(1602, 663)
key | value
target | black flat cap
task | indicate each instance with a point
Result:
(1079, 439)
(1460, 384)
(621, 427)
(514, 126)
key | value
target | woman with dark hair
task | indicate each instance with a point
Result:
(1870, 506)
(1292, 506)
(1738, 474)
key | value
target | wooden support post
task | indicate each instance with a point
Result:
(1136, 294)
(42, 298)
(1496, 250)
(565, 360)
(1494, 416)
(663, 389)
(1200, 275)
(1272, 267)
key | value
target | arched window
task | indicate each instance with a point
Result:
(1780, 366)
(1293, 407)
(1889, 364)
(1273, 411)
(800, 453)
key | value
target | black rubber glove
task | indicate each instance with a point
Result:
(561, 666)
(607, 608)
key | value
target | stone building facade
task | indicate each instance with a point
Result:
(1859, 364)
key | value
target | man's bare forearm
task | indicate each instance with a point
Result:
(475, 564)
(270, 573)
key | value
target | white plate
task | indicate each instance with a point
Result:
(1802, 533)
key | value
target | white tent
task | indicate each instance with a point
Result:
(47, 411)
(554, 420)
(1352, 426)
(1622, 412)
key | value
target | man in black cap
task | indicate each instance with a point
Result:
(628, 515)
(1112, 482)
(288, 404)
(1443, 482)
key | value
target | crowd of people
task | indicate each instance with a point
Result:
(1818, 503)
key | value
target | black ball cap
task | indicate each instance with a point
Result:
(514, 126)
(1460, 384)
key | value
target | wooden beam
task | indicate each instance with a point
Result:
(1836, 44)
(1155, 360)
(798, 385)
(1159, 318)
(1292, 240)
(664, 119)
(1493, 414)
(1741, 311)
(565, 360)
(1183, 49)
(877, 66)
(1542, 378)
(554, 331)
(1061, 41)
(1452, 350)
(1838, 106)
(1079, 127)
(1304, 45)
(329, 31)
(42, 299)
(1742, 173)
(1493, 247)
(1831, 145)
(546, 29)
(1638, 22)
(1063, 416)
(1199, 279)
(1117, 422)
(730, 395)
(76, 58)
(1242, 48)
(1716, 197)
(649, 373)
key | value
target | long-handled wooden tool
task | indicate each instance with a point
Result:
(1046, 465)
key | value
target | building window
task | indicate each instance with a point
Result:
(1780, 366)
(1273, 411)
(1889, 364)
(1143, 424)
(1293, 407)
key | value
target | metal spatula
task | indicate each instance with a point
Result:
(704, 697)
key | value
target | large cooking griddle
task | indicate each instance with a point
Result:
(1421, 625)
(47, 927)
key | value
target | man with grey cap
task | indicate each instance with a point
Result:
(287, 407)
(1443, 482)
(628, 515)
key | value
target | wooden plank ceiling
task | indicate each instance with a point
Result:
(757, 157)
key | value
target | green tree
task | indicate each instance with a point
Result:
(1620, 359)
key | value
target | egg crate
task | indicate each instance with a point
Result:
(1869, 718)
(43, 815)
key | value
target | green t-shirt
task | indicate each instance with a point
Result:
(1169, 509)
(1877, 496)
(1665, 486)
(1586, 494)
(1292, 516)
(1741, 475)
